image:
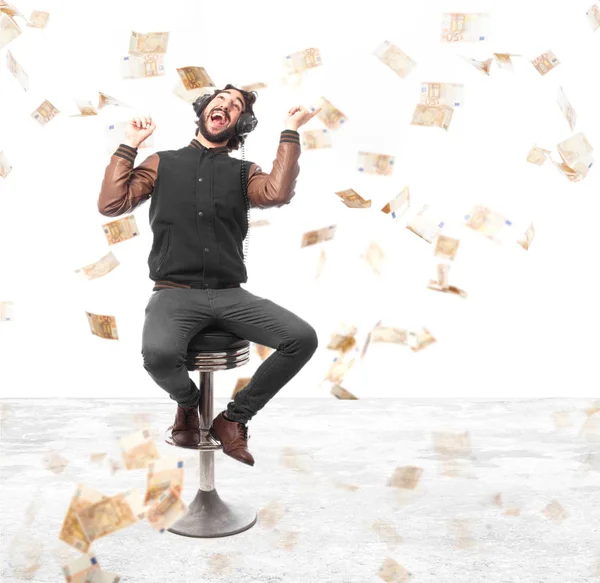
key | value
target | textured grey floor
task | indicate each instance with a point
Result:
(326, 513)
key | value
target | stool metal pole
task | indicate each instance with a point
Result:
(207, 456)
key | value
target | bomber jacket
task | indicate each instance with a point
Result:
(197, 208)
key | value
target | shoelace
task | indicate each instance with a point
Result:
(243, 429)
(187, 412)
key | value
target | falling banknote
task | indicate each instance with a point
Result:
(86, 108)
(9, 30)
(141, 66)
(71, 531)
(263, 351)
(259, 223)
(504, 61)
(425, 224)
(566, 108)
(343, 339)
(38, 19)
(302, 61)
(103, 326)
(194, 78)
(102, 577)
(320, 263)
(316, 139)
(5, 165)
(318, 236)
(398, 206)
(121, 230)
(389, 334)
(353, 200)
(374, 257)
(77, 571)
(340, 393)
(163, 474)
(240, 385)
(576, 153)
(393, 572)
(406, 477)
(527, 238)
(537, 155)
(483, 66)
(100, 268)
(106, 516)
(427, 116)
(420, 340)
(593, 15)
(168, 509)
(442, 284)
(55, 462)
(487, 222)
(371, 163)
(330, 115)
(138, 449)
(17, 71)
(446, 247)
(396, 59)
(145, 43)
(460, 27)
(104, 100)
(387, 534)
(44, 113)
(339, 367)
(443, 275)
(545, 62)
(451, 94)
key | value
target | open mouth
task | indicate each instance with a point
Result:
(218, 119)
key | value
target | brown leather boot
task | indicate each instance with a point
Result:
(234, 438)
(186, 429)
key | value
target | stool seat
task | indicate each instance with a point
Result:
(215, 339)
(213, 348)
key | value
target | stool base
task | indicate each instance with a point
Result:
(210, 517)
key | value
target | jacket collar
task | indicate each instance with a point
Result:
(196, 144)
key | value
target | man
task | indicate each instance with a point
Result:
(198, 217)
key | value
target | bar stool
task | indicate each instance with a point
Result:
(209, 516)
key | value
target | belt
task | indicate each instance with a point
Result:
(172, 285)
(215, 286)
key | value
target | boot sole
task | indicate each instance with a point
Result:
(192, 446)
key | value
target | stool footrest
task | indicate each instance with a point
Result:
(209, 516)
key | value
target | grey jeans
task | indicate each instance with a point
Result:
(174, 316)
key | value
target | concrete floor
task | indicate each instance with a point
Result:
(518, 499)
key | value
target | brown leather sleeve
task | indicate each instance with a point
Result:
(124, 187)
(277, 188)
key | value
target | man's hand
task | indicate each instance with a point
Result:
(298, 116)
(138, 129)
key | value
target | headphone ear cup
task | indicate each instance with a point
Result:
(201, 103)
(245, 123)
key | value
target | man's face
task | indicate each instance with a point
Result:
(218, 120)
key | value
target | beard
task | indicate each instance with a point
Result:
(224, 135)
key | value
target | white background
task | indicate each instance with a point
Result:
(529, 325)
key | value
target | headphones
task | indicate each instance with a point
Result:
(245, 123)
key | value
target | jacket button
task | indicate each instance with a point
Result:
(199, 179)
(206, 249)
(200, 213)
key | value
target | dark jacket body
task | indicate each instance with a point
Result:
(197, 207)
